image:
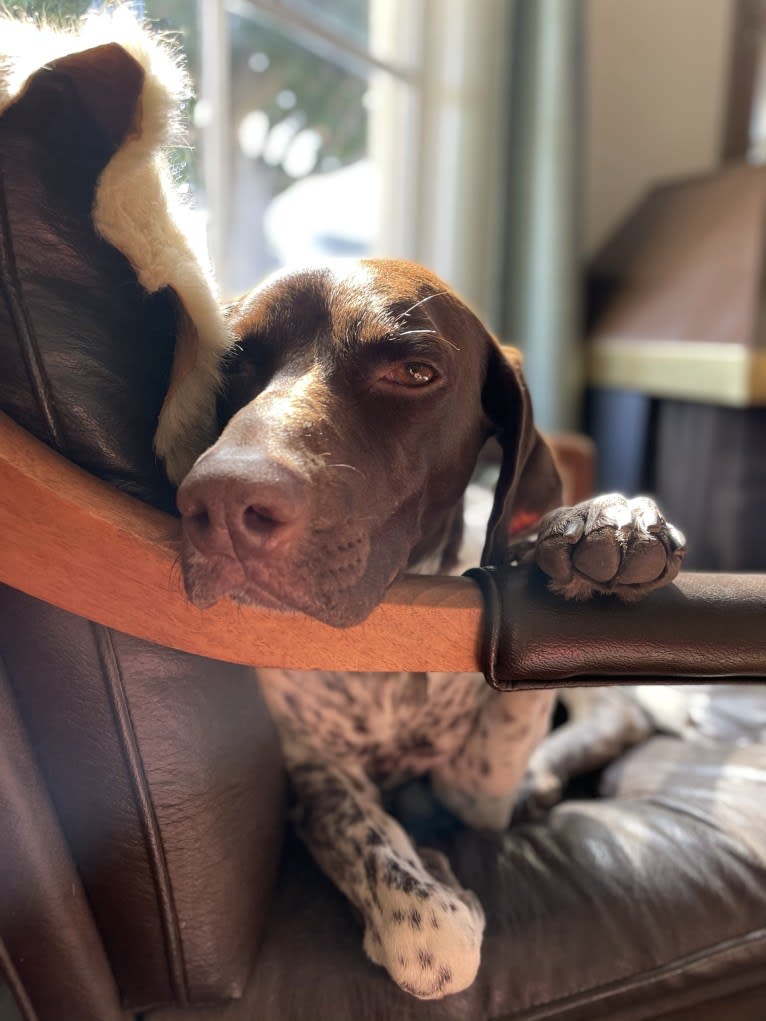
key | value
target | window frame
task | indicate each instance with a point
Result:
(437, 125)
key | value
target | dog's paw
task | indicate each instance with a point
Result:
(609, 544)
(429, 938)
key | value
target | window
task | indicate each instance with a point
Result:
(347, 127)
(344, 127)
(289, 97)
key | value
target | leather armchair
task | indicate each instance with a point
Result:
(141, 792)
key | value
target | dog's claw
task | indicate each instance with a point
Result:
(677, 538)
(574, 529)
(609, 544)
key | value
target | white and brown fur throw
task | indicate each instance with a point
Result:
(139, 210)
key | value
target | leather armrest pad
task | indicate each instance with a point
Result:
(704, 626)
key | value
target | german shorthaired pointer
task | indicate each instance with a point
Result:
(355, 408)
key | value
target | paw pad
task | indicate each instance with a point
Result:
(609, 544)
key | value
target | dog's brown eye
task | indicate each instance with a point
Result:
(412, 374)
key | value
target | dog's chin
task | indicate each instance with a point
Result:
(204, 588)
(338, 598)
(206, 583)
(337, 614)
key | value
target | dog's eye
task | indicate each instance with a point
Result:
(411, 374)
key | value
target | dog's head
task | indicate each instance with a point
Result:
(354, 410)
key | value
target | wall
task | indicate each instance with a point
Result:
(656, 74)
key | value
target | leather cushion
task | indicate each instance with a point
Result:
(650, 899)
(45, 924)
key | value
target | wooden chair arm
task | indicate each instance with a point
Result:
(71, 540)
(77, 543)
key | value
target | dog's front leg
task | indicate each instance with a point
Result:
(479, 784)
(419, 923)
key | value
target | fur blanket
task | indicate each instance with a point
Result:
(138, 209)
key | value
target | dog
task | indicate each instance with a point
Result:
(353, 413)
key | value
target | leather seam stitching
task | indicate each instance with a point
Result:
(591, 994)
(27, 340)
(148, 818)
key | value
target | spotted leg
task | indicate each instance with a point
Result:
(480, 783)
(419, 923)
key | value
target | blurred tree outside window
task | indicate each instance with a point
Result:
(295, 181)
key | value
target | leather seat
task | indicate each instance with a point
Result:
(141, 789)
(644, 900)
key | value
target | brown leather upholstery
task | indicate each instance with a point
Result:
(165, 776)
(705, 625)
(45, 924)
(163, 769)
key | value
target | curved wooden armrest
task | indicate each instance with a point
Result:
(77, 543)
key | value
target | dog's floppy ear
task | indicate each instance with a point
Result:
(529, 483)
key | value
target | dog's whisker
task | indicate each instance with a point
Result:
(175, 569)
(444, 340)
(350, 467)
(422, 301)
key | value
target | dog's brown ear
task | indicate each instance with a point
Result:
(108, 81)
(529, 483)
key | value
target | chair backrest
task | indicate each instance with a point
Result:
(162, 769)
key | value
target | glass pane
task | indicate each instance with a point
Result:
(346, 18)
(300, 183)
(294, 151)
(353, 25)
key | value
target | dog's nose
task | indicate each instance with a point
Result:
(249, 505)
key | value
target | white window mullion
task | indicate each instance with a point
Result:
(215, 129)
(441, 178)
(396, 126)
